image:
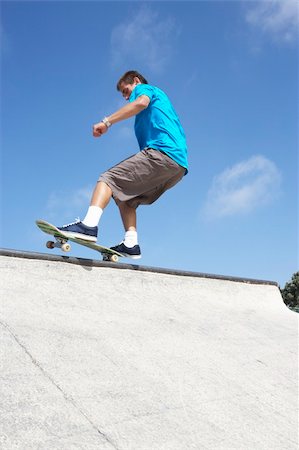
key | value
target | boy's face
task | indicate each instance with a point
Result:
(127, 89)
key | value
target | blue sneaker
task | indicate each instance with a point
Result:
(79, 230)
(133, 252)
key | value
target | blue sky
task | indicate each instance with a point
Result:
(230, 69)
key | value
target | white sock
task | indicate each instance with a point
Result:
(131, 239)
(93, 216)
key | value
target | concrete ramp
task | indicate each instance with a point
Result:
(100, 356)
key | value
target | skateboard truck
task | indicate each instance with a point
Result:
(62, 244)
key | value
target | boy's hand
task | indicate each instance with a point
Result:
(99, 129)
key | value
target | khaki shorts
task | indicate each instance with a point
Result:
(142, 178)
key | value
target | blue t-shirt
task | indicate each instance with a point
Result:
(158, 126)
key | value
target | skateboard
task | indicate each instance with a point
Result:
(62, 242)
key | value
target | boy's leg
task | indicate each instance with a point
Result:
(129, 246)
(128, 215)
(101, 195)
(99, 200)
(88, 228)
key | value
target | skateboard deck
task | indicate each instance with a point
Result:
(62, 242)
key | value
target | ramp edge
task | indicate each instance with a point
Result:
(97, 263)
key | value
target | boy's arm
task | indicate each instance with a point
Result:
(127, 111)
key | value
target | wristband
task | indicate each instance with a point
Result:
(106, 122)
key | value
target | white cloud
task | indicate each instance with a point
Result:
(279, 18)
(66, 206)
(191, 79)
(243, 188)
(125, 132)
(5, 42)
(146, 40)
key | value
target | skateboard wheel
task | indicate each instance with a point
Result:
(65, 247)
(50, 244)
(114, 258)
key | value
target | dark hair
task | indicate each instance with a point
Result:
(128, 78)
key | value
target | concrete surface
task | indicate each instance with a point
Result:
(108, 357)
